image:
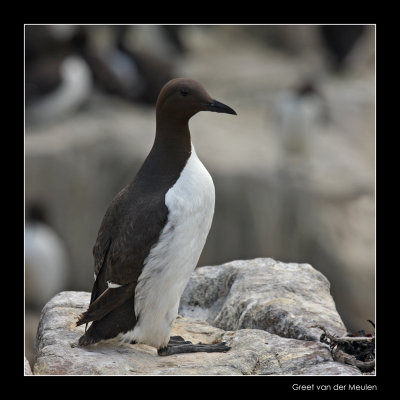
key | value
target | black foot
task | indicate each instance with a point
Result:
(175, 340)
(177, 345)
(86, 341)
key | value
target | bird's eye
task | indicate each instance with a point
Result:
(184, 92)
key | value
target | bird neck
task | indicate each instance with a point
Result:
(171, 149)
(173, 134)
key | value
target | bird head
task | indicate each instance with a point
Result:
(182, 98)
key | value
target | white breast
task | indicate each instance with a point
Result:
(172, 260)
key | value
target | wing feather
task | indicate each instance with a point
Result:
(125, 238)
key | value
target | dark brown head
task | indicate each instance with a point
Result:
(182, 98)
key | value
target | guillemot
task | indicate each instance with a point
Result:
(153, 233)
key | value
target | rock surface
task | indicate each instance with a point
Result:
(253, 351)
(27, 367)
(281, 298)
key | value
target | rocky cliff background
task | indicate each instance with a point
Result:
(294, 172)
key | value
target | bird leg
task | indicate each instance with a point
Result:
(175, 340)
(178, 345)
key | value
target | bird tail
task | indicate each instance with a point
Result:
(108, 301)
(119, 320)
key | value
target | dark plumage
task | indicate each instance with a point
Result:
(130, 227)
(135, 219)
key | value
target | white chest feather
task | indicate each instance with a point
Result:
(172, 260)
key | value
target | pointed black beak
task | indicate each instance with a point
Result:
(219, 107)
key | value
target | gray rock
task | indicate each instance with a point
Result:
(253, 351)
(282, 298)
(27, 367)
(32, 318)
